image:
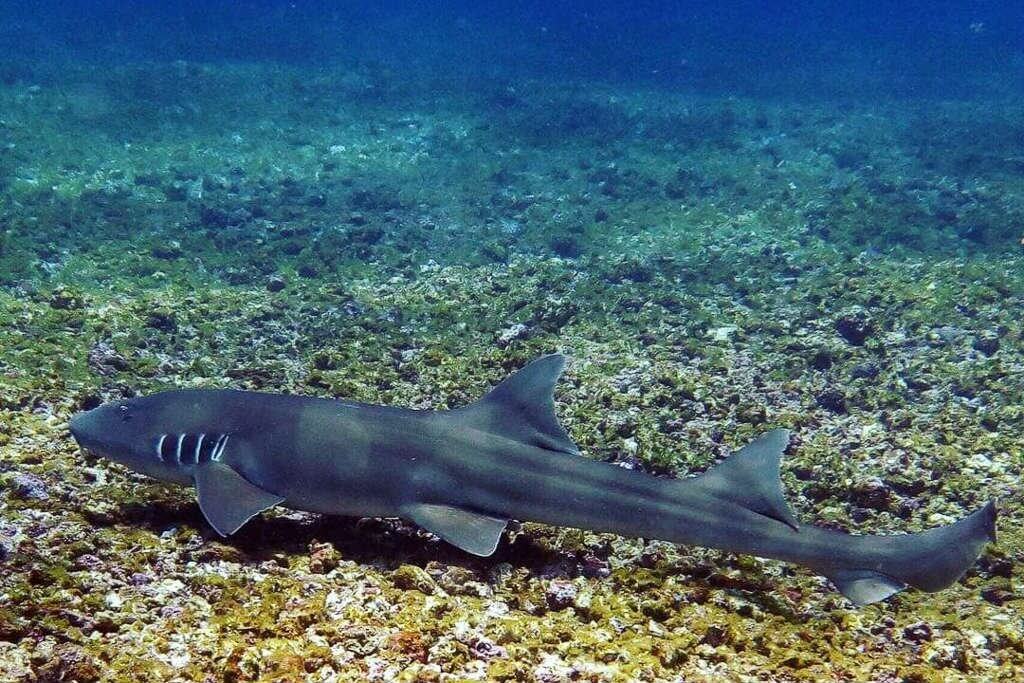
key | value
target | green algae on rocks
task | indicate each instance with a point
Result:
(706, 262)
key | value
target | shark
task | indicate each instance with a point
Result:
(464, 473)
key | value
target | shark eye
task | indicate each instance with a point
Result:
(125, 414)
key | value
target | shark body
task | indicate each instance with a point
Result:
(463, 473)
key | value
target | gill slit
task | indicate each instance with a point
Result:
(218, 450)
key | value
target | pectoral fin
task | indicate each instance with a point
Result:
(471, 531)
(227, 499)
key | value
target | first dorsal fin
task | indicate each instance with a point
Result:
(523, 407)
(750, 477)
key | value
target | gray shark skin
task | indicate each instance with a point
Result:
(463, 473)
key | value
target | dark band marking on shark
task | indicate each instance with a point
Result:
(462, 474)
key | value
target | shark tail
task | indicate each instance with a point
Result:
(865, 569)
(930, 560)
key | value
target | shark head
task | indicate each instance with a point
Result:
(160, 435)
(183, 436)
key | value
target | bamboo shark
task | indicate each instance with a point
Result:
(464, 473)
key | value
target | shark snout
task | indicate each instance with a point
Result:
(76, 424)
(83, 429)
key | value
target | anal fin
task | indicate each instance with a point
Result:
(863, 586)
(473, 532)
(228, 500)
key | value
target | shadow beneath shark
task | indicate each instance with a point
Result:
(387, 543)
(365, 540)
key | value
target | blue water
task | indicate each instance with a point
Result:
(858, 49)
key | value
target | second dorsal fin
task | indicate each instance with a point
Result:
(523, 408)
(750, 477)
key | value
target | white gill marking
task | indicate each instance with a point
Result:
(199, 446)
(177, 452)
(218, 450)
(160, 448)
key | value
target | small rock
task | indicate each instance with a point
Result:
(167, 251)
(919, 632)
(908, 507)
(162, 320)
(411, 577)
(323, 557)
(487, 649)
(997, 566)
(854, 328)
(860, 515)
(652, 555)
(511, 334)
(9, 539)
(500, 574)
(140, 579)
(566, 246)
(15, 665)
(64, 298)
(716, 636)
(987, 343)
(561, 593)
(866, 370)
(171, 611)
(596, 567)
(822, 359)
(69, 663)
(104, 360)
(275, 283)
(832, 399)
(722, 334)
(459, 581)
(945, 334)
(218, 552)
(29, 487)
(88, 562)
(997, 595)
(872, 493)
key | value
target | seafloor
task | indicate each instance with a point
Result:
(714, 266)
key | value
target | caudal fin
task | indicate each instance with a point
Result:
(864, 568)
(929, 561)
(523, 407)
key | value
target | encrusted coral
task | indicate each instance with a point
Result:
(705, 291)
